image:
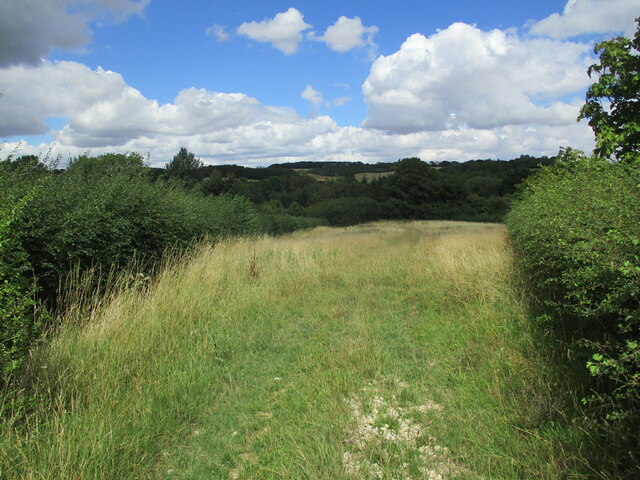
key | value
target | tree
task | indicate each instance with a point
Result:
(183, 164)
(613, 103)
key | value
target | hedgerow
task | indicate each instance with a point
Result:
(18, 325)
(99, 212)
(576, 229)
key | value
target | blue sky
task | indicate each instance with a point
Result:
(256, 83)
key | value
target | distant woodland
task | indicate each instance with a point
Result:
(303, 194)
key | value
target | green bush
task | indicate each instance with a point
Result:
(100, 212)
(576, 228)
(80, 219)
(18, 325)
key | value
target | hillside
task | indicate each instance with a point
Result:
(387, 350)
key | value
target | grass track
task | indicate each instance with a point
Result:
(388, 350)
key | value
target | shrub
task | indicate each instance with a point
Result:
(80, 219)
(576, 228)
(18, 325)
(100, 212)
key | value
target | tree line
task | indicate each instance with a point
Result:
(303, 194)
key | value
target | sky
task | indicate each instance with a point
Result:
(256, 83)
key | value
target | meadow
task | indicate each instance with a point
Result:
(387, 350)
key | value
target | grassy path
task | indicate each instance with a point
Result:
(393, 351)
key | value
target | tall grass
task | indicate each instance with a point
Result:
(389, 350)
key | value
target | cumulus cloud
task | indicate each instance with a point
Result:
(218, 32)
(105, 114)
(349, 33)
(29, 29)
(284, 31)
(463, 76)
(590, 16)
(459, 94)
(316, 99)
(53, 89)
(102, 109)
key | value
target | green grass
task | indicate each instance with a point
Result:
(388, 350)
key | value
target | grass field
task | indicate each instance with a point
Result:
(315, 176)
(358, 176)
(389, 350)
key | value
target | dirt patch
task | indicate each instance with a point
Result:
(390, 438)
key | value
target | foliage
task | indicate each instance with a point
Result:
(25, 165)
(86, 217)
(613, 102)
(18, 326)
(107, 164)
(100, 212)
(576, 229)
(478, 190)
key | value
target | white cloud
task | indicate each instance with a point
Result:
(316, 99)
(54, 89)
(284, 31)
(102, 110)
(349, 33)
(320, 139)
(218, 32)
(590, 16)
(105, 114)
(311, 95)
(29, 29)
(462, 76)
